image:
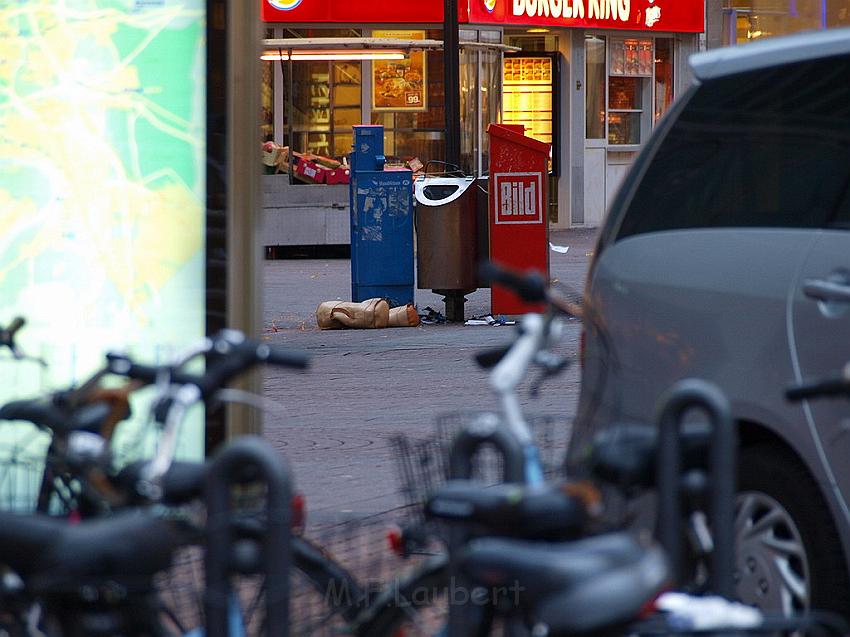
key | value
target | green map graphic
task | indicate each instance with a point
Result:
(102, 183)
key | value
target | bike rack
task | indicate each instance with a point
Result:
(684, 395)
(249, 453)
(465, 445)
(472, 438)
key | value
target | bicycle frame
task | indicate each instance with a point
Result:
(536, 331)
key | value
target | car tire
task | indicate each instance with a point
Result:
(780, 505)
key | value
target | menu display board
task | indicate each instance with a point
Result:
(527, 95)
(399, 85)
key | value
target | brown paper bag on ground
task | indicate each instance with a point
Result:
(404, 316)
(371, 313)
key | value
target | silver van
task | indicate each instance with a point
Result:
(726, 256)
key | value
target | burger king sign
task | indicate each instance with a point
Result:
(284, 5)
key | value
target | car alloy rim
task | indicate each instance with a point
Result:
(771, 570)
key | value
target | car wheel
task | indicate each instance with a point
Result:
(789, 555)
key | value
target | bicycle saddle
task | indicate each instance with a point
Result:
(53, 555)
(573, 587)
(511, 510)
(42, 412)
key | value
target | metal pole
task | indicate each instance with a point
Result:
(451, 74)
(451, 84)
(289, 100)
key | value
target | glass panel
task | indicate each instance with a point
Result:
(342, 144)
(624, 128)
(527, 95)
(595, 87)
(663, 76)
(756, 19)
(319, 143)
(311, 96)
(345, 118)
(631, 57)
(837, 14)
(491, 79)
(418, 134)
(423, 145)
(468, 108)
(625, 93)
(346, 73)
(533, 43)
(267, 102)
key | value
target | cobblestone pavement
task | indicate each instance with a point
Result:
(367, 385)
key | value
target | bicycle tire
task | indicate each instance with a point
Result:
(328, 577)
(403, 600)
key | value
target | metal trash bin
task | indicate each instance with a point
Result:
(446, 233)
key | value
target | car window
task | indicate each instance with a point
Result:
(762, 149)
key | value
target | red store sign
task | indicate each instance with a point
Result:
(636, 15)
(356, 11)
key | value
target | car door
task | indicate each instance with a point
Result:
(821, 331)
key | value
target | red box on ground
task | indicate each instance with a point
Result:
(518, 219)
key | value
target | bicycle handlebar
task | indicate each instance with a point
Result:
(833, 386)
(8, 334)
(229, 353)
(531, 287)
(232, 353)
(7, 339)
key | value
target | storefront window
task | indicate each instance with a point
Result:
(326, 99)
(629, 86)
(418, 134)
(630, 69)
(595, 91)
(747, 20)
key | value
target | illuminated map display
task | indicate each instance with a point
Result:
(102, 183)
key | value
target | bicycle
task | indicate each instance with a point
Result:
(100, 490)
(601, 583)
(84, 577)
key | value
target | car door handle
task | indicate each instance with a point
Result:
(822, 290)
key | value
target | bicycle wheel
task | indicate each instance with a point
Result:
(416, 604)
(325, 596)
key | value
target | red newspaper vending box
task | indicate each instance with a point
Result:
(519, 223)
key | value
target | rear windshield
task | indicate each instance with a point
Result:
(769, 148)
